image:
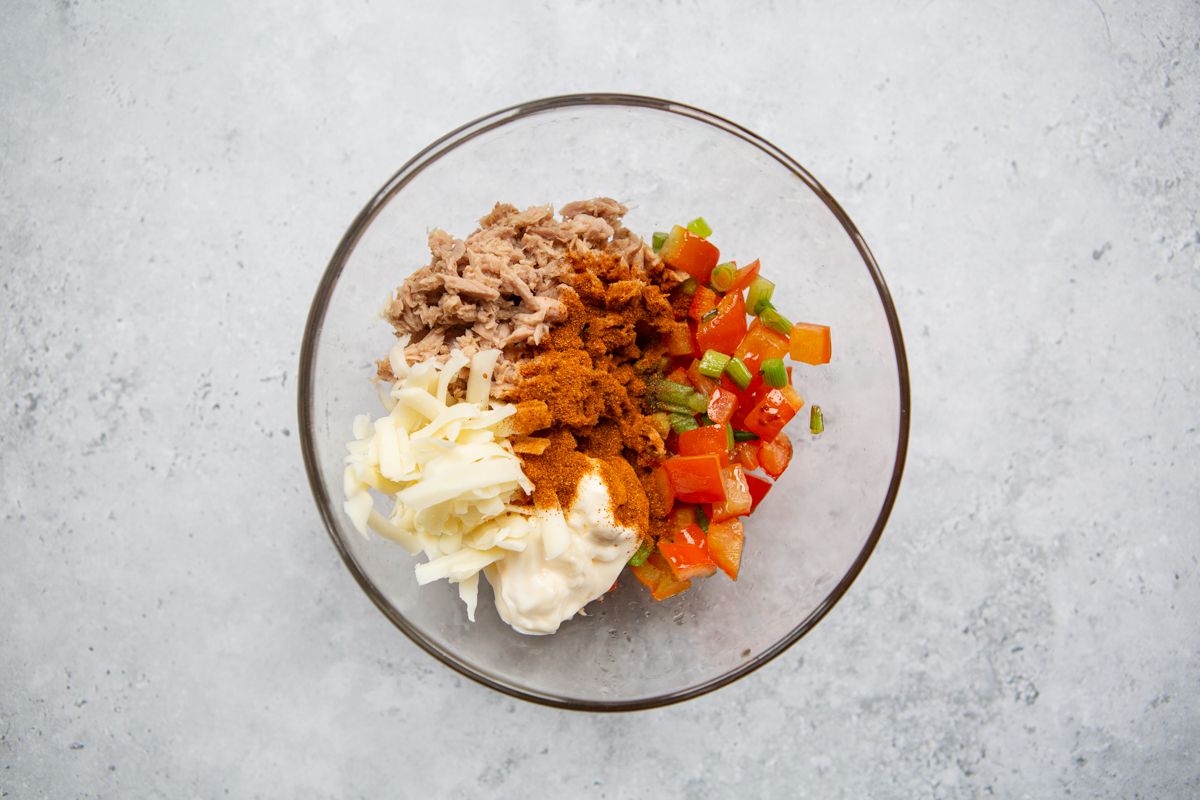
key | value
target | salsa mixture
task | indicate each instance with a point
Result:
(565, 398)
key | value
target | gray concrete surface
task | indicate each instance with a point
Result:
(175, 621)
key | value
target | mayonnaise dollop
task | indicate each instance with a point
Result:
(556, 575)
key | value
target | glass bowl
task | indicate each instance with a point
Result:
(810, 538)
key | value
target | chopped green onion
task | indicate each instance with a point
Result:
(659, 239)
(661, 421)
(699, 227)
(641, 554)
(698, 403)
(689, 287)
(723, 276)
(738, 373)
(705, 421)
(816, 420)
(777, 322)
(713, 364)
(709, 315)
(701, 519)
(745, 436)
(668, 392)
(774, 373)
(759, 295)
(671, 408)
(682, 423)
(729, 437)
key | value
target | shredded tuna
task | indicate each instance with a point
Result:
(500, 288)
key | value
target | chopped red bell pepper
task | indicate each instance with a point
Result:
(759, 344)
(680, 340)
(701, 383)
(722, 405)
(660, 485)
(655, 574)
(679, 375)
(682, 515)
(745, 277)
(774, 456)
(771, 414)
(703, 302)
(686, 251)
(725, 331)
(758, 490)
(708, 439)
(725, 545)
(810, 343)
(737, 495)
(746, 454)
(690, 534)
(696, 479)
(686, 560)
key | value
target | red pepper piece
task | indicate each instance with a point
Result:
(687, 561)
(682, 515)
(810, 343)
(725, 331)
(770, 415)
(774, 456)
(709, 439)
(679, 375)
(759, 344)
(745, 277)
(680, 339)
(722, 405)
(660, 485)
(746, 454)
(725, 545)
(701, 383)
(704, 301)
(686, 251)
(691, 534)
(655, 574)
(737, 495)
(758, 490)
(696, 479)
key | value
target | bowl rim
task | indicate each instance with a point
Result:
(312, 330)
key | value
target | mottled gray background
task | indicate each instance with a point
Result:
(175, 620)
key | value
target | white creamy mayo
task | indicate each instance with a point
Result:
(536, 592)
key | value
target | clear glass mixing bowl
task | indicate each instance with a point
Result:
(811, 536)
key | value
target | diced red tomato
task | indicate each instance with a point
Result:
(725, 331)
(680, 340)
(696, 479)
(745, 277)
(660, 485)
(810, 343)
(655, 574)
(721, 405)
(758, 490)
(737, 495)
(683, 515)
(686, 251)
(708, 439)
(687, 561)
(759, 344)
(679, 375)
(704, 302)
(746, 454)
(774, 456)
(725, 545)
(771, 414)
(701, 383)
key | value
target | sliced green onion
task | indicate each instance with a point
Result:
(672, 408)
(659, 239)
(641, 554)
(705, 421)
(702, 519)
(745, 436)
(723, 276)
(774, 373)
(709, 315)
(713, 364)
(729, 437)
(816, 420)
(738, 373)
(698, 403)
(682, 423)
(777, 322)
(699, 227)
(668, 392)
(689, 287)
(759, 295)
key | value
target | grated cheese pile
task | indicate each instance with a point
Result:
(448, 467)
